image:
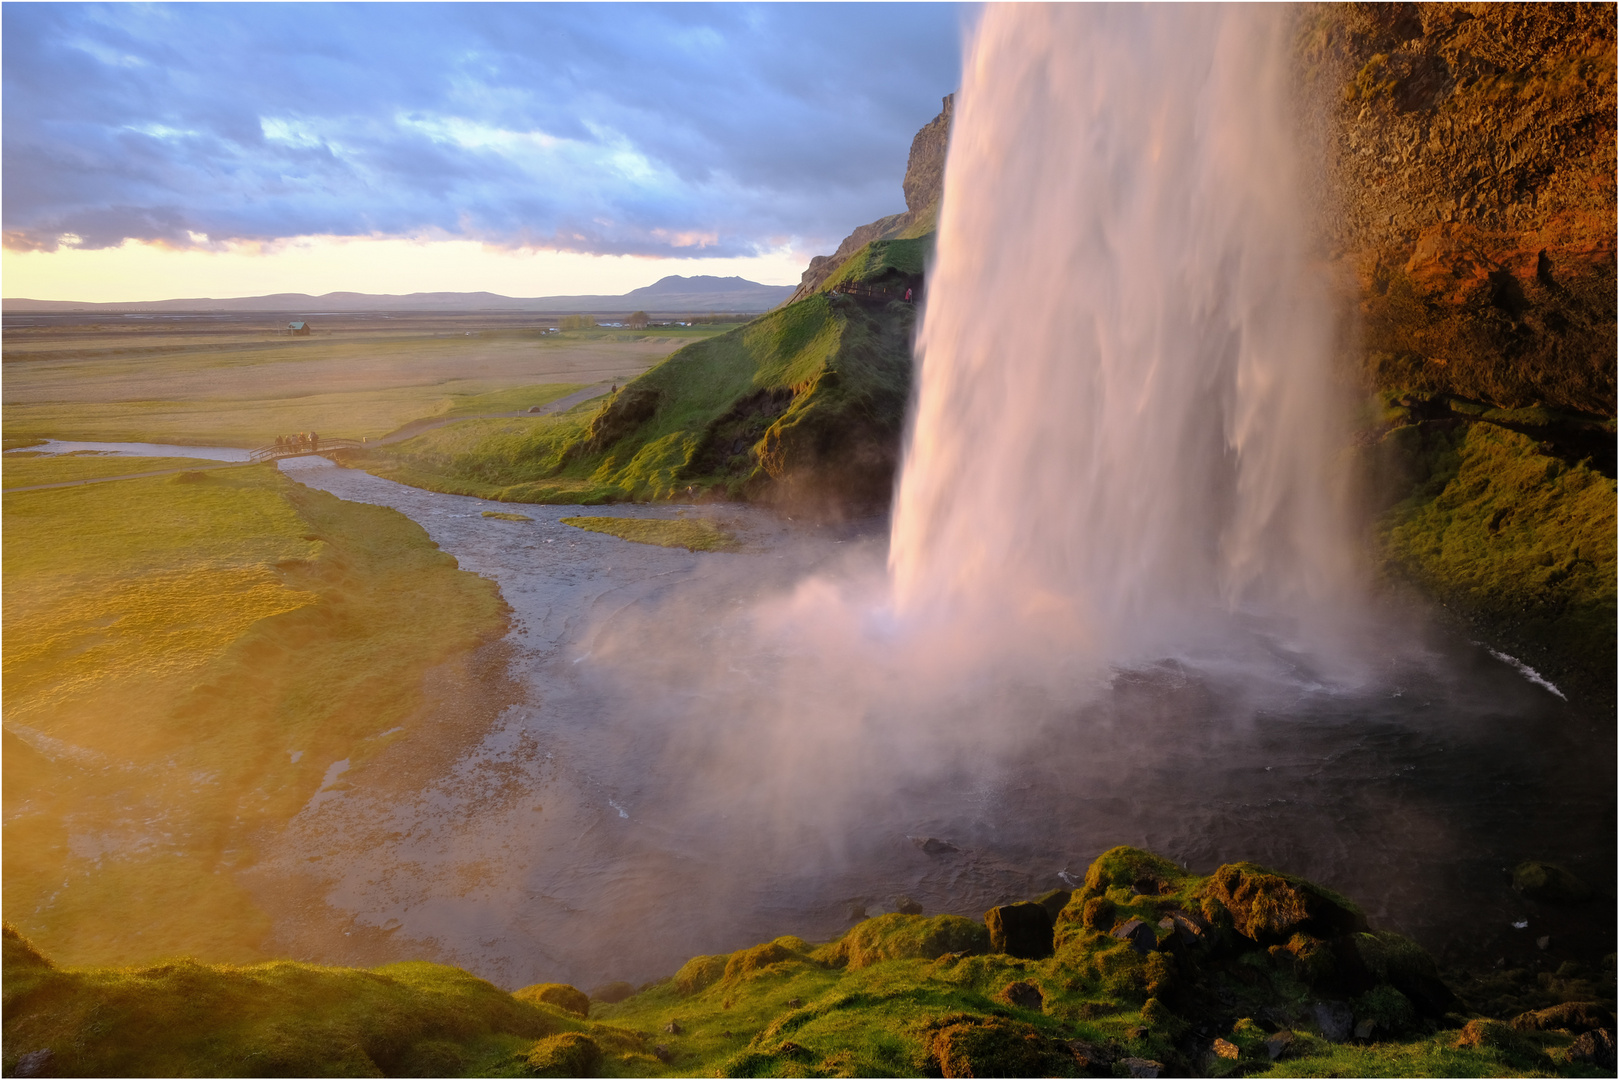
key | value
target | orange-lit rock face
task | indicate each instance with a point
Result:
(1472, 155)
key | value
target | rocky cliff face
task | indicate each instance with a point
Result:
(923, 185)
(1472, 150)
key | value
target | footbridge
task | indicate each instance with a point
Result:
(292, 446)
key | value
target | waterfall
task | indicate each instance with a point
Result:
(1123, 421)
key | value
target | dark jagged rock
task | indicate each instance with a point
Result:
(1593, 1048)
(1335, 1019)
(1138, 934)
(932, 845)
(1023, 930)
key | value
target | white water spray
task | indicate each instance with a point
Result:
(1122, 420)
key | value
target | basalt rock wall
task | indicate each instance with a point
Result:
(1469, 150)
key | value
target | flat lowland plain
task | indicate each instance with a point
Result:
(241, 381)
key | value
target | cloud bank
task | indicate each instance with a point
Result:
(722, 130)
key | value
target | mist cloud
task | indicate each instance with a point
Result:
(665, 130)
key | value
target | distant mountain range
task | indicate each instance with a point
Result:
(673, 295)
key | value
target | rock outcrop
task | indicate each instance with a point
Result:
(923, 185)
(1472, 150)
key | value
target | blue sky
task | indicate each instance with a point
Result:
(672, 132)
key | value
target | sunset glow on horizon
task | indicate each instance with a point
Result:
(157, 152)
(137, 271)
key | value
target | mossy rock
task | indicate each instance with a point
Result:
(567, 1054)
(1132, 869)
(560, 995)
(1486, 1034)
(1266, 906)
(1403, 964)
(1573, 1016)
(749, 963)
(968, 1045)
(1390, 1010)
(699, 973)
(1549, 883)
(904, 937)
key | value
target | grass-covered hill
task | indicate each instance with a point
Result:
(802, 407)
(1145, 970)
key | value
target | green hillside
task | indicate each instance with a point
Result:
(803, 407)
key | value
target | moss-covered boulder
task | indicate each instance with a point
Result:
(1269, 907)
(1132, 870)
(905, 937)
(968, 1045)
(567, 1054)
(561, 995)
(1549, 883)
(699, 973)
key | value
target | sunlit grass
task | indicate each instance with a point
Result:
(255, 422)
(183, 661)
(693, 534)
(20, 470)
(1515, 539)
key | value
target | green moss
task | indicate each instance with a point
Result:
(905, 937)
(1516, 542)
(882, 261)
(502, 516)
(561, 995)
(184, 1018)
(567, 1054)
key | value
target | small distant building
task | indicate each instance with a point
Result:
(298, 329)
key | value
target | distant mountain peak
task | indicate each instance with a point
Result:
(699, 283)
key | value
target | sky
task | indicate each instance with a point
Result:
(155, 151)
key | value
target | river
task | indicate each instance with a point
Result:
(634, 791)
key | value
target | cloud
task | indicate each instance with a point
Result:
(721, 130)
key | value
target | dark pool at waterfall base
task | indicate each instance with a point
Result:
(561, 844)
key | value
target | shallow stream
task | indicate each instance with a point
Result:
(649, 780)
(598, 830)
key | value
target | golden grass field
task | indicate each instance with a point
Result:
(238, 383)
(189, 658)
(185, 660)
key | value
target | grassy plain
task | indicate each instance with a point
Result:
(187, 660)
(24, 469)
(236, 382)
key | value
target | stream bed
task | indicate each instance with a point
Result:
(644, 797)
